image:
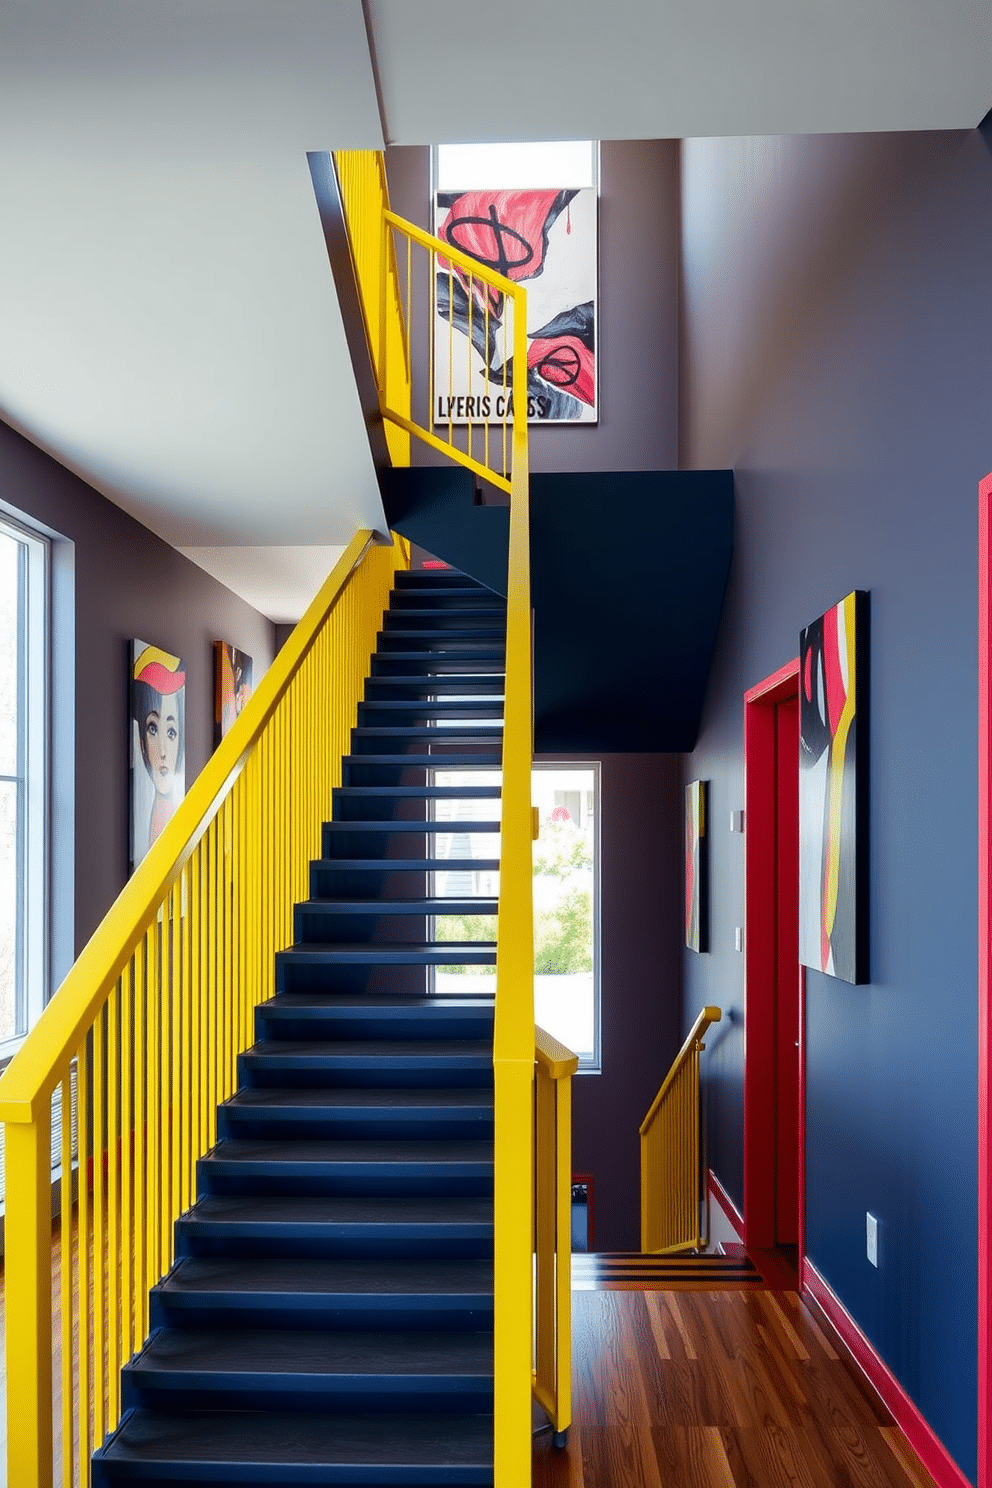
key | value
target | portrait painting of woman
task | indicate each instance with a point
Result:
(158, 742)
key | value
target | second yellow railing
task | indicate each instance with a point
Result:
(671, 1178)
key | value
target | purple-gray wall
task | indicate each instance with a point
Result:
(837, 320)
(128, 583)
(638, 310)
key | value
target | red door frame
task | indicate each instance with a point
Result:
(759, 967)
(984, 981)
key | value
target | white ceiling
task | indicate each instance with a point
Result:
(168, 327)
(678, 69)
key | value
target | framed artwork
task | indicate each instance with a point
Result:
(697, 905)
(833, 791)
(232, 686)
(548, 241)
(158, 742)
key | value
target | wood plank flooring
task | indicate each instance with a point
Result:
(718, 1389)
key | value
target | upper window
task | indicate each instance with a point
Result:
(560, 163)
(24, 606)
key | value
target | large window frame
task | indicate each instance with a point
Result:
(30, 778)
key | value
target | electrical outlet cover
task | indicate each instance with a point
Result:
(872, 1238)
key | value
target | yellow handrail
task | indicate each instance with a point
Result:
(152, 1016)
(554, 1067)
(671, 1190)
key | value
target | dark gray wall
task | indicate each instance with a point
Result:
(640, 919)
(837, 324)
(638, 309)
(128, 583)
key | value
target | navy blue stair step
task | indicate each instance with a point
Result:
(456, 597)
(412, 684)
(387, 953)
(417, 578)
(369, 839)
(272, 1112)
(350, 1370)
(330, 876)
(439, 643)
(325, 1293)
(362, 1227)
(396, 769)
(348, 1167)
(299, 1449)
(449, 662)
(388, 712)
(460, 736)
(382, 1012)
(426, 615)
(379, 802)
(369, 1055)
(375, 921)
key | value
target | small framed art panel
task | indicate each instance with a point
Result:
(833, 790)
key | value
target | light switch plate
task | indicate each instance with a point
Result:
(737, 821)
(872, 1238)
(738, 938)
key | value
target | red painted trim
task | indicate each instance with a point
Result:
(781, 684)
(718, 1192)
(802, 1119)
(760, 951)
(984, 981)
(918, 1432)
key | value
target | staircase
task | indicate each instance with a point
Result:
(329, 1315)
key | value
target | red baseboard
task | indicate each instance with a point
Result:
(918, 1432)
(718, 1192)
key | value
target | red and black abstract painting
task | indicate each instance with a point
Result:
(547, 240)
(697, 903)
(833, 791)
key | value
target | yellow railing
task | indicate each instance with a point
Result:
(555, 1066)
(152, 1016)
(671, 1178)
(411, 265)
(365, 199)
(465, 404)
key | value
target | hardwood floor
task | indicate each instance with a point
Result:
(718, 1389)
(733, 1388)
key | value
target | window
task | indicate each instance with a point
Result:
(24, 641)
(566, 896)
(518, 166)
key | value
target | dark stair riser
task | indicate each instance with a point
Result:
(399, 877)
(372, 839)
(411, 802)
(274, 1068)
(448, 663)
(416, 683)
(324, 922)
(337, 1018)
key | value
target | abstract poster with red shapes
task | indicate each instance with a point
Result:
(697, 928)
(833, 791)
(545, 240)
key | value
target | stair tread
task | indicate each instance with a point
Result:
(276, 1437)
(485, 792)
(392, 953)
(409, 865)
(375, 1209)
(402, 1002)
(351, 1098)
(411, 826)
(448, 906)
(328, 1151)
(297, 1351)
(333, 1276)
(366, 1048)
(427, 761)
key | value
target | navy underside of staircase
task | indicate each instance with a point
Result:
(329, 1315)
